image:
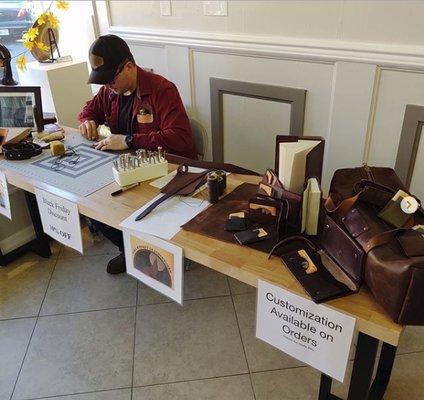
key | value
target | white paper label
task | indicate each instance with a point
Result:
(60, 219)
(4, 197)
(312, 333)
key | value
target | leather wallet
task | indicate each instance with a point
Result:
(392, 211)
(271, 185)
(251, 236)
(237, 224)
(264, 209)
(320, 285)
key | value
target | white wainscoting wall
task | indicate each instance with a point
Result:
(357, 91)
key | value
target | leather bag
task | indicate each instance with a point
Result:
(394, 262)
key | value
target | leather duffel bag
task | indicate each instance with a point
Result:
(394, 264)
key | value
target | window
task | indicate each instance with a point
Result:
(16, 17)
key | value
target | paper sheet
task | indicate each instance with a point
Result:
(166, 219)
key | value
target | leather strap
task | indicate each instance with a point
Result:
(343, 208)
(383, 238)
(21, 151)
(197, 180)
(234, 169)
(292, 239)
(365, 183)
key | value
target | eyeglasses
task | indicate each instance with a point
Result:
(119, 70)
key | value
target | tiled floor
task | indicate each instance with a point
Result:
(70, 331)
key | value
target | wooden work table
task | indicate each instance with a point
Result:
(247, 265)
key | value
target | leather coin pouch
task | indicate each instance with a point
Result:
(251, 236)
(234, 224)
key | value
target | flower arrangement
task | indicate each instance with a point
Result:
(31, 39)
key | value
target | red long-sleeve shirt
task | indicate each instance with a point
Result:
(170, 128)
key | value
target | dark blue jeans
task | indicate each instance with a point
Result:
(113, 234)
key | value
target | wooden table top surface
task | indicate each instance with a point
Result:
(242, 263)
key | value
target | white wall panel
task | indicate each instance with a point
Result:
(396, 90)
(249, 127)
(150, 57)
(178, 65)
(315, 78)
(350, 108)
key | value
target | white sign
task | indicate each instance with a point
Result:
(4, 197)
(155, 262)
(312, 333)
(60, 219)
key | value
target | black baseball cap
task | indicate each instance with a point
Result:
(106, 55)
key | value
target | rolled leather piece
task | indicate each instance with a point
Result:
(234, 169)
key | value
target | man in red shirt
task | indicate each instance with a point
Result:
(142, 110)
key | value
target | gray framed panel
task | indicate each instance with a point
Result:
(413, 122)
(294, 97)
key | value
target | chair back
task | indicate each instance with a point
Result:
(200, 137)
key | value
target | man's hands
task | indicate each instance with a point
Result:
(113, 142)
(88, 129)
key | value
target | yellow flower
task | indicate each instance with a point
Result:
(29, 45)
(30, 35)
(21, 62)
(42, 46)
(54, 22)
(62, 5)
(41, 20)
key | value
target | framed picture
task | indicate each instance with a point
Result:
(20, 106)
(155, 262)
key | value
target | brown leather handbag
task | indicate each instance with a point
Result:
(394, 262)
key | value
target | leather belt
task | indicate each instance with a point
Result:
(21, 151)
